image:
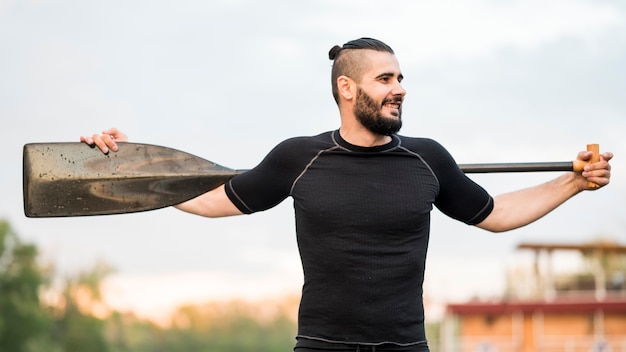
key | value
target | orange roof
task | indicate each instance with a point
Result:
(569, 306)
(602, 246)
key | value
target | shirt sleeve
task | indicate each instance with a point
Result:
(459, 196)
(269, 183)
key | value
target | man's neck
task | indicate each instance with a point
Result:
(362, 137)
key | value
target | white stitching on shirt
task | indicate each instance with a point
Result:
(293, 185)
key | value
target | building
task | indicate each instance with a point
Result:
(573, 313)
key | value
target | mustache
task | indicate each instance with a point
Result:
(395, 99)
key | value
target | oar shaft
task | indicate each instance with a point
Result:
(482, 168)
(517, 167)
(576, 165)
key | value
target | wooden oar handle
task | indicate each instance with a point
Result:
(579, 165)
(595, 148)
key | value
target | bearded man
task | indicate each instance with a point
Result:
(362, 196)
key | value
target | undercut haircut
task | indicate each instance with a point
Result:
(349, 60)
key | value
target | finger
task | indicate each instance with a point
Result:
(106, 141)
(603, 163)
(600, 181)
(86, 140)
(606, 156)
(600, 168)
(116, 134)
(110, 141)
(113, 132)
(100, 143)
(599, 172)
(585, 155)
(600, 177)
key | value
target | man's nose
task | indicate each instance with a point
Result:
(398, 89)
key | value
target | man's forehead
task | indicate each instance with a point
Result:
(381, 61)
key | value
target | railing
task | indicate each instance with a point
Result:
(486, 344)
(612, 343)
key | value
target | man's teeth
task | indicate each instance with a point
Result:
(393, 105)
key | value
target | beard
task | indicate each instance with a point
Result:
(368, 113)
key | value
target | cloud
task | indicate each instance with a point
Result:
(460, 30)
(493, 81)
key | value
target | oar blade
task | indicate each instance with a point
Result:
(72, 179)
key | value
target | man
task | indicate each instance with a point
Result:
(362, 197)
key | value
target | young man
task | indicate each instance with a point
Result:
(362, 197)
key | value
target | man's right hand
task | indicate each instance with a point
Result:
(107, 140)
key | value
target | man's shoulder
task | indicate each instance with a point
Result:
(322, 138)
(302, 146)
(430, 151)
(420, 143)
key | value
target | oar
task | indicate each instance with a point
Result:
(72, 179)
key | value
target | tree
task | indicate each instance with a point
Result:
(77, 328)
(80, 321)
(24, 322)
(28, 325)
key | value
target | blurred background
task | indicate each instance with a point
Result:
(492, 81)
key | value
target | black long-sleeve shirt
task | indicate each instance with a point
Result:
(362, 223)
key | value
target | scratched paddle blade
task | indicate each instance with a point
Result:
(73, 179)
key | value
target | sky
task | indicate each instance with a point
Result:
(493, 81)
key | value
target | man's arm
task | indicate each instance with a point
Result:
(516, 209)
(214, 203)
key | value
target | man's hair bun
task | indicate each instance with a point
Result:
(334, 52)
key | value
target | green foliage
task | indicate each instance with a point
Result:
(82, 332)
(216, 327)
(77, 329)
(23, 320)
(70, 324)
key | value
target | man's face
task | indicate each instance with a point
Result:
(379, 96)
(370, 114)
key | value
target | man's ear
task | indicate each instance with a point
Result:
(346, 87)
